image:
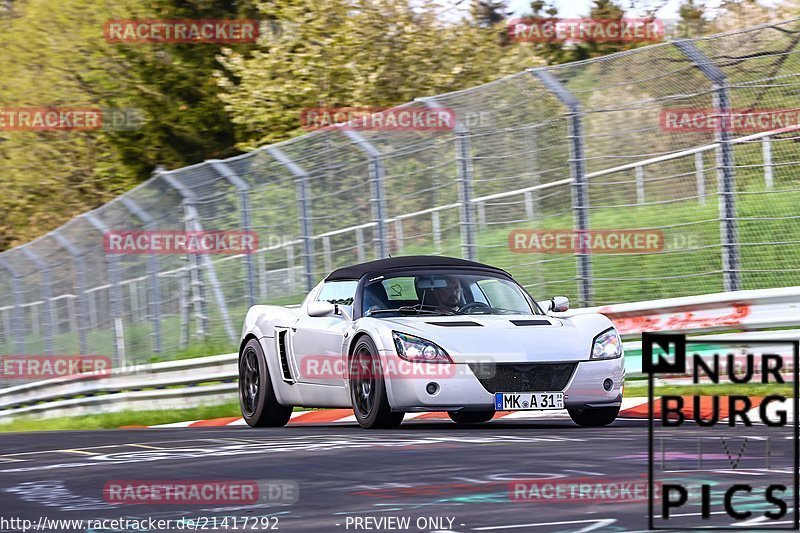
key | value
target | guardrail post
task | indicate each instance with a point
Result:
(192, 223)
(80, 289)
(148, 223)
(115, 297)
(304, 208)
(244, 211)
(725, 172)
(45, 288)
(19, 321)
(580, 191)
(464, 168)
(376, 173)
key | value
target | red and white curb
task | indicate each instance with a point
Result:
(631, 408)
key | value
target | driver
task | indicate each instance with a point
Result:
(446, 298)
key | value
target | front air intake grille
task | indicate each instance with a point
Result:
(456, 324)
(531, 322)
(523, 377)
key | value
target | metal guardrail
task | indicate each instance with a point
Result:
(210, 380)
(168, 385)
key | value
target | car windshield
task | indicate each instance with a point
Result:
(447, 293)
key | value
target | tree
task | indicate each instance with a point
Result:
(692, 19)
(372, 53)
(52, 176)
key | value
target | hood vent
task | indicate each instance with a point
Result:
(455, 324)
(531, 322)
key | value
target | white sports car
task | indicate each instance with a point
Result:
(427, 333)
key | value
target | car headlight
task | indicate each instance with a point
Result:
(607, 345)
(418, 350)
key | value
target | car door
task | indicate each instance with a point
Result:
(317, 341)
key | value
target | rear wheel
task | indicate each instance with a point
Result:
(368, 389)
(594, 416)
(260, 407)
(470, 417)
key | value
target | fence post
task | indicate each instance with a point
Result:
(19, 320)
(49, 322)
(304, 207)
(766, 148)
(327, 260)
(244, 210)
(193, 224)
(639, 185)
(700, 176)
(115, 298)
(80, 289)
(580, 191)
(464, 169)
(725, 172)
(376, 173)
(149, 223)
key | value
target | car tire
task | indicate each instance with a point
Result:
(259, 406)
(368, 388)
(470, 417)
(594, 416)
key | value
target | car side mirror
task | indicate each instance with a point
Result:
(559, 304)
(320, 309)
(323, 309)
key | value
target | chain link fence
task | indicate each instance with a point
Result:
(577, 147)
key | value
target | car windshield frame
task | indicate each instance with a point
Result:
(413, 309)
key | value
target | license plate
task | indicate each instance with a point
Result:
(526, 401)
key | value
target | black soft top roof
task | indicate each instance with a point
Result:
(409, 261)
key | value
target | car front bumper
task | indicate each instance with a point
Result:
(459, 388)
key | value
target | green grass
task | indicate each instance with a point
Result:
(747, 389)
(123, 418)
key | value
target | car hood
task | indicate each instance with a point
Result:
(500, 338)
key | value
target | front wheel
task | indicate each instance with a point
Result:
(368, 389)
(260, 407)
(470, 417)
(594, 416)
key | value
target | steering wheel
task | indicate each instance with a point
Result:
(473, 305)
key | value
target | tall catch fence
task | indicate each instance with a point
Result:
(576, 147)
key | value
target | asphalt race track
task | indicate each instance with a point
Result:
(435, 472)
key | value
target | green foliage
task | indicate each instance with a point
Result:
(368, 53)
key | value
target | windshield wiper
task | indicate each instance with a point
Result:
(416, 309)
(429, 309)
